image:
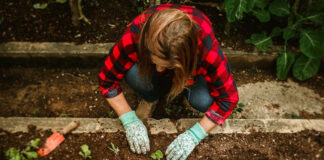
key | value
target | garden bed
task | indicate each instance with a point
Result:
(302, 145)
(21, 22)
(52, 88)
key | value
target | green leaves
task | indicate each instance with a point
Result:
(288, 34)
(85, 152)
(235, 8)
(279, 8)
(261, 41)
(61, 1)
(262, 15)
(305, 67)
(157, 155)
(261, 3)
(40, 5)
(317, 17)
(13, 154)
(311, 43)
(34, 143)
(284, 63)
(113, 148)
(30, 155)
(26, 154)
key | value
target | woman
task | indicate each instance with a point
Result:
(174, 42)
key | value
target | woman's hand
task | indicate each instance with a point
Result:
(185, 143)
(136, 133)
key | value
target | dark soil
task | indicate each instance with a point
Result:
(302, 145)
(65, 91)
(21, 22)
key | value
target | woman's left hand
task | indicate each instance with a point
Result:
(185, 143)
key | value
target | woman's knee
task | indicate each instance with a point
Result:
(143, 87)
(199, 96)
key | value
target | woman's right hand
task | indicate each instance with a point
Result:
(136, 133)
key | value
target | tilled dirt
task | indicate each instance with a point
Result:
(74, 92)
(302, 145)
(20, 21)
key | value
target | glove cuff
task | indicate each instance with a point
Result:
(198, 132)
(128, 118)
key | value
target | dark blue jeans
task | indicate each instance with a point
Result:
(150, 90)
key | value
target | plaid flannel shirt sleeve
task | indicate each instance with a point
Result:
(120, 59)
(217, 73)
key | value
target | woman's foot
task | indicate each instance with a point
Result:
(145, 109)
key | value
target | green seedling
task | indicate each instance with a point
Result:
(99, 37)
(111, 114)
(36, 112)
(113, 148)
(40, 5)
(61, 1)
(157, 155)
(26, 154)
(239, 108)
(65, 115)
(85, 152)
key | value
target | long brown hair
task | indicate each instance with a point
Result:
(171, 35)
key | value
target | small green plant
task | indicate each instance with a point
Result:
(239, 108)
(85, 152)
(99, 37)
(65, 115)
(25, 154)
(113, 148)
(40, 5)
(36, 112)
(157, 155)
(111, 114)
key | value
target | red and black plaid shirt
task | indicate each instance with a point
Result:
(212, 65)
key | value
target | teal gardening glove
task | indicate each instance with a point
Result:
(185, 143)
(136, 133)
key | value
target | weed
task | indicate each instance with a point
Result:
(113, 148)
(239, 108)
(36, 112)
(99, 37)
(111, 114)
(65, 115)
(85, 152)
(157, 155)
(40, 5)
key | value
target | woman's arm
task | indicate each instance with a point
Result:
(119, 104)
(207, 124)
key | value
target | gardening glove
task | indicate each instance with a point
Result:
(136, 133)
(184, 144)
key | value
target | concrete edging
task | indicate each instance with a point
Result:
(100, 50)
(109, 125)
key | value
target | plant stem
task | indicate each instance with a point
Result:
(82, 16)
(292, 16)
(296, 6)
(227, 28)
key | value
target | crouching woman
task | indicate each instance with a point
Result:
(169, 44)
